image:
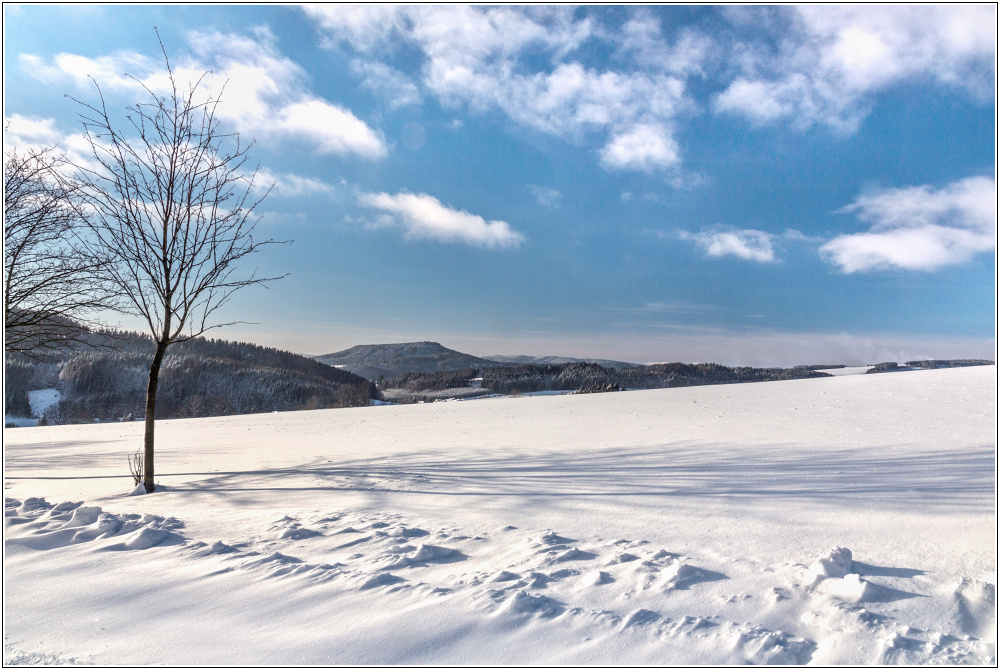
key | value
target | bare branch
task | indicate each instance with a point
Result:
(169, 215)
(52, 290)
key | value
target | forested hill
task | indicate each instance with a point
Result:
(200, 377)
(560, 360)
(580, 377)
(387, 360)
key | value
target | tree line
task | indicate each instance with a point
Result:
(590, 377)
(576, 376)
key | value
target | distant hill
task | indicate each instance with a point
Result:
(560, 360)
(200, 377)
(372, 361)
(579, 377)
(892, 366)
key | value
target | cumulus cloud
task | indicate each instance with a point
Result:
(644, 147)
(423, 216)
(520, 62)
(919, 227)
(263, 93)
(832, 59)
(749, 244)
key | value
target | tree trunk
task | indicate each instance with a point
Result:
(154, 379)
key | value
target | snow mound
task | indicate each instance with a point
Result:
(596, 578)
(47, 527)
(760, 646)
(623, 557)
(852, 589)
(144, 538)
(640, 617)
(504, 576)
(522, 602)
(429, 552)
(838, 562)
(382, 579)
(679, 575)
(975, 606)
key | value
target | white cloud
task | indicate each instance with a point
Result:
(919, 228)
(545, 195)
(832, 59)
(24, 131)
(36, 133)
(760, 101)
(365, 27)
(519, 61)
(333, 129)
(263, 93)
(292, 185)
(644, 147)
(423, 216)
(642, 41)
(395, 87)
(749, 245)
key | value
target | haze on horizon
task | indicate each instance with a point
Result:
(743, 185)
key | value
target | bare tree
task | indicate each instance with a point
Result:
(170, 204)
(51, 290)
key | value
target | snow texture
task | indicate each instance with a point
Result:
(844, 520)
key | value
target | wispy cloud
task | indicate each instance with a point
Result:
(674, 307)
(748, 245)
(292, 185)
(393, 86)
(545, 195)
(265, 93)
(424, 216)
(919, 227)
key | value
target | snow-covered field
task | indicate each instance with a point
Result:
(841, 520)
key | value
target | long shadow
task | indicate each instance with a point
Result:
(869, 570)
(944, 477)
(887, 594)
(958, 477)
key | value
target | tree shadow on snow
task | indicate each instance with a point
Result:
(958, 478)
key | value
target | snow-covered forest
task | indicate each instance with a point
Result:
(201, 377)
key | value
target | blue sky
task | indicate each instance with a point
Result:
(771, 186)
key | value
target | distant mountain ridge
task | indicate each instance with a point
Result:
(561, 360)
(372, 361)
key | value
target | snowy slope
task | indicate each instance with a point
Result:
(846, 520)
